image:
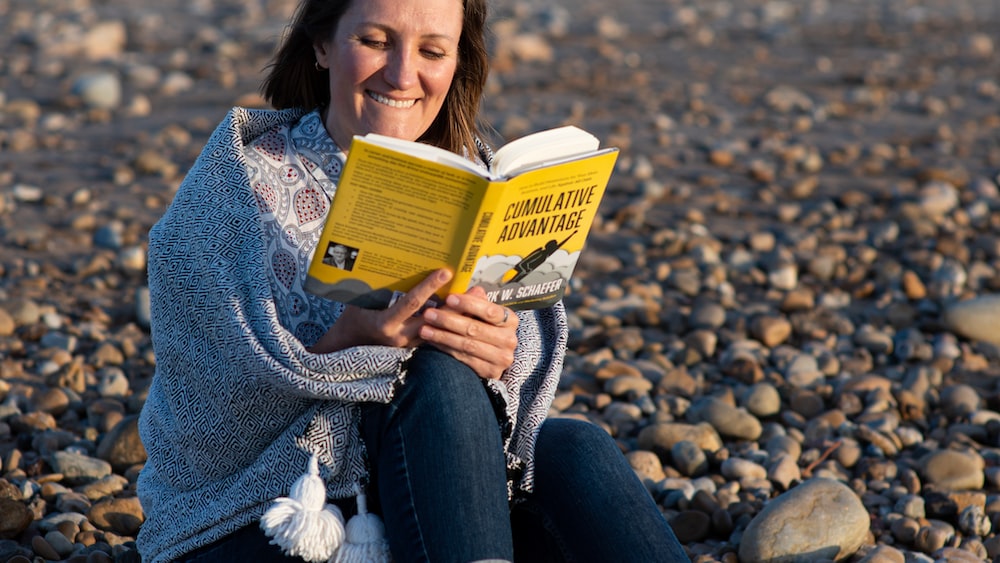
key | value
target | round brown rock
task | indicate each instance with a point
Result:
(43, 549)
(820, 519)
(122, 447)
(122, 516)
(15, 517)
(953, 470)
(661, 437)
(691, 526)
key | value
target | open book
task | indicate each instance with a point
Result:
(404, 209)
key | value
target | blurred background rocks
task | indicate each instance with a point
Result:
(786, 314)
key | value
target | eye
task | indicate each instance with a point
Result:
(379, 44)
(433, 55)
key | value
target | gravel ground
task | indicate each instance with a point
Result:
(786, 314)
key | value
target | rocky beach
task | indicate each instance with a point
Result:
(788, 314)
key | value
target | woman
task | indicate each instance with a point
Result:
(439, 413)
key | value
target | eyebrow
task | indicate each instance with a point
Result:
(389, 29)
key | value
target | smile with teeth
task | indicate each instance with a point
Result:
(390, 102)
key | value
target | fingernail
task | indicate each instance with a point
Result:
(453, 300)
(444, 275)
(431, 315)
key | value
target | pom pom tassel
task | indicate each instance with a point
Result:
(303, 524)
(365, 541)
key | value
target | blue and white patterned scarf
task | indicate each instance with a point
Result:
(238, 404)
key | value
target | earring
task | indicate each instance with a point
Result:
(318, 68)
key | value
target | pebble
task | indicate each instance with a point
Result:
(43, 549)
(7, 323)
(956, 555)
(691, 525)
(59, 543)
(763, 400)
(973, 521)
(821, 517)
(953, 470)
(661, 437)
(142, 307)
(78, 469)
(110, 236)
(739, 469)
(122, 515)
(975, 318)
(884, 554)
(771, 330)
(933, 536)
(784, 277)
(619, 386)
(938, 198)
(15, 517)
(112, 382)
(726, 419)
(779, 290)
(647, 465)
(784, 471)
(707, 315)
(959, 400)
(783, 444)
(803, 371)
(689, 459)
(24, 311)
(101, 90)
(104, 40)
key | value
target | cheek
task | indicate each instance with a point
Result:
(356, 69)
(440, 80)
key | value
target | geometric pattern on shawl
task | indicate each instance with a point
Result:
(237, 403)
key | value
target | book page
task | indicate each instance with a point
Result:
(426, 152)
(537, 149)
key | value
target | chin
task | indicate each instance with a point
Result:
(407, 134)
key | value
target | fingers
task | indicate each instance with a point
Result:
(474, 331)
(411, 303)
(475, 304)
(487, 359)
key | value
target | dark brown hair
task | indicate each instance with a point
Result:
(293, 81)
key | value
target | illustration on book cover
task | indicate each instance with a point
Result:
(540, 276)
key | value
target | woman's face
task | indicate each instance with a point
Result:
(392, 63)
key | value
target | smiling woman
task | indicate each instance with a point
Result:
(394, 66)
(437, 414)
(318, 28)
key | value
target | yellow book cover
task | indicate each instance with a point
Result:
(404, 209)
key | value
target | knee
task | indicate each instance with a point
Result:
(434, 374)
(438, 382)
(571, 441)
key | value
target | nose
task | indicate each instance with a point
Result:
(402, 68)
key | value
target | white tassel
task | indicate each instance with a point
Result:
(304, 525)
(365, 541)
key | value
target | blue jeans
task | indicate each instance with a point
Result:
(439, 479)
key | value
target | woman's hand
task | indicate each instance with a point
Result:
(473, 330)
(397, 326)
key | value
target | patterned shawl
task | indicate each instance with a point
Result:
(238, 404)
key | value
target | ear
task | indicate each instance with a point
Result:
(321, 51)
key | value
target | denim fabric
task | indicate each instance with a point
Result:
(590, 502)
(440, 476)
(436, 458)
(246, 544)
(439, 482)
